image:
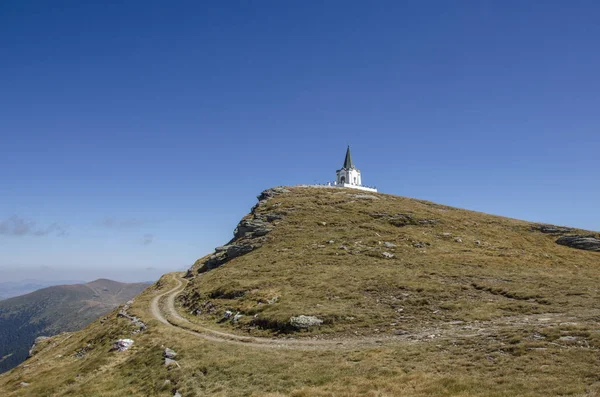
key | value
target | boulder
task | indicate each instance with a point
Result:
(303, 322)
(122, 344)
(588, 243)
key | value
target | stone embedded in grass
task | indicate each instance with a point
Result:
(389, 245)
(237, 317)
(387, 255)
(169, 353)
(303, 322)
(171, 363)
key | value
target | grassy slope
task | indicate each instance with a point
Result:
(501, 267)
(51, 310)
(512, 273)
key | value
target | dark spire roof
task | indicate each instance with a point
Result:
(348, 164)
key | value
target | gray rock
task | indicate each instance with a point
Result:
(171, 363)
(551, 229)
(458, 239)
(270, 193)
(227, 315)
(303, 322)
(389, 245)
(177, 394)
(24, 384)
(252, 228)
(236, 318)
(122, 344)
(588, 243)
(387, 255)
(169, 353)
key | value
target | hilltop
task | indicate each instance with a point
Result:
(56, 309)
(330, 291)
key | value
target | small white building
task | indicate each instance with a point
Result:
(349, 175)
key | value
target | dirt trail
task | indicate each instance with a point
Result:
(168, 315)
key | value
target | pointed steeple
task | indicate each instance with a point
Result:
(348, 164)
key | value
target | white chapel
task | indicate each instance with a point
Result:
(349, 175)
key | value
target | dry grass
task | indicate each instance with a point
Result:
(513, 315)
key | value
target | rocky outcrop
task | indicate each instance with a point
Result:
(251, 228)
(551, 229)
(139, 324)
(36, 343)
(249, 233)
(401, 220)
(588, 243)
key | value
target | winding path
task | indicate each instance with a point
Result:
(168, 315)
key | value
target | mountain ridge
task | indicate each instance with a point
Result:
(411, 297)
(55, 309)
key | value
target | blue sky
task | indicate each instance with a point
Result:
(134, 135)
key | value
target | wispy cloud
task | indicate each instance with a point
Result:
(148, 239)
(17, 226)
(131, 223)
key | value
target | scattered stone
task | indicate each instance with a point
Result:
(171, 363)
(330, 242)
(303, 322)
(421, 244)
(177, 394)
(169, 353)
(477, 242)
(446, 234)
(273, 300)
(24, 384)
(323, 223)
(389, 245)
(236, 318)
(458, 239)
(588, 243)
(227, 315)
(122, 344)
(387, 255)
(343, 247)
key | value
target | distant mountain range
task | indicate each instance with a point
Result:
(52, 310)
(8, 289)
